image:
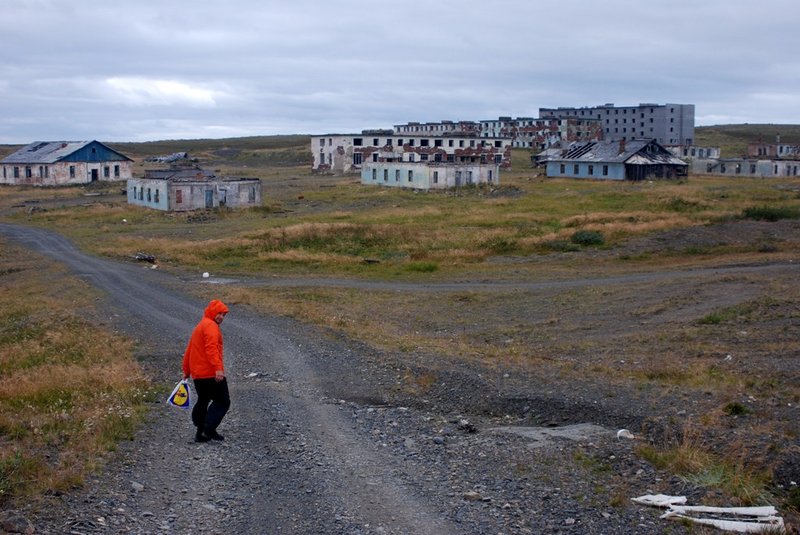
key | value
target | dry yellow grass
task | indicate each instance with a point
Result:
(69, 389)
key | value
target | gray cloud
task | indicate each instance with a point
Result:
(134, 71)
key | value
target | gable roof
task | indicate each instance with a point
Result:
(636, 151)
(48, 152)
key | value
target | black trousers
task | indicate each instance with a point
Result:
(212, 403)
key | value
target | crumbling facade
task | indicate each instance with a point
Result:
(56, 163)
(186, 189)
(346, 153)
(541, 134)
(776, 150)
(692, 152)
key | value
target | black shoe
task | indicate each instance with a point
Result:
(213, 435)
(201, 437)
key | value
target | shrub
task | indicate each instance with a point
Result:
(771, 213)
(587, 237)
(423, 267)
(736, 409)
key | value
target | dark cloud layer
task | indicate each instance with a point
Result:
(146, 70)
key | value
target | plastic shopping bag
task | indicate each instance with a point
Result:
(180, 396)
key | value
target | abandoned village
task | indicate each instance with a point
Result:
(642, 142)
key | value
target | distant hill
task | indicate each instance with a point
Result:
(733, 138)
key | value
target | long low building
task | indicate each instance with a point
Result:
(745, 167)
(429, 175)
(56, 163)
(640, 159)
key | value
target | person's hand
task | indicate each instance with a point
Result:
(219, 376)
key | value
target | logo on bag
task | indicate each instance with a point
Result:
(180, 395)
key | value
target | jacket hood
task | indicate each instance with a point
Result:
(215, 307)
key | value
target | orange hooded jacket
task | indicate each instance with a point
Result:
(203, 356)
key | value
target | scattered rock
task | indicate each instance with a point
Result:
(15, 523)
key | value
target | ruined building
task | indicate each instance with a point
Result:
(668, 124)
(55, 163)
(181, 189)
(346, 153)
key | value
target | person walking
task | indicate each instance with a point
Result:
(203, 362)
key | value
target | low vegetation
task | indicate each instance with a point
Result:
(69, 390)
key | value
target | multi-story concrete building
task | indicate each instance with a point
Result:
(668, 124)
(345, 153)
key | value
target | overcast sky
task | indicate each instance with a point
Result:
(139, 70)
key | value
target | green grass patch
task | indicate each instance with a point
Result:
(771, 213)
(587, 238)
(422, 267)
(695, 464)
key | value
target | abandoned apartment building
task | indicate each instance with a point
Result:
(347, 153)
(56, 163)
(182, 189)
(668, 124)
(524, 132)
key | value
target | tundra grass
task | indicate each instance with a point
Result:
(337, 226)
(69, 390)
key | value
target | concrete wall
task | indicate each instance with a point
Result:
(183, 196)
(149, 193)
(604, 171)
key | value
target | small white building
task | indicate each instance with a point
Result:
(181, 190)
(428, 175)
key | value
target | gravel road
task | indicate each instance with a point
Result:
(320, 440)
